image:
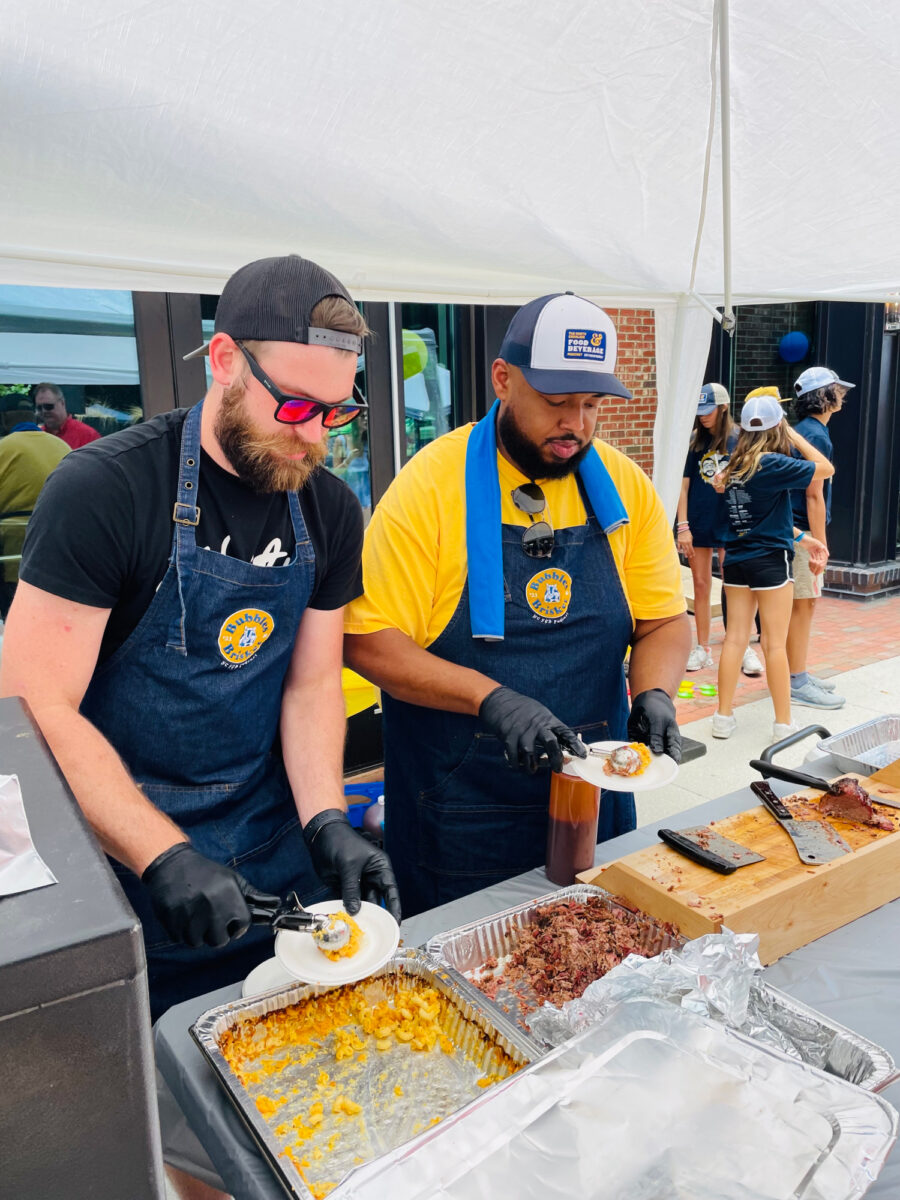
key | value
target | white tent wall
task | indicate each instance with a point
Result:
(485, 151)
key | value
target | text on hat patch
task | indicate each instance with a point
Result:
(586, 344)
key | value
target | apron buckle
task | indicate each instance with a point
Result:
(190, 516)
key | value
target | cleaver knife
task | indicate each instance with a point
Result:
(814, 841)
(708, 848)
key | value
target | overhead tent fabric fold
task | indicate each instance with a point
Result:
(473, 153)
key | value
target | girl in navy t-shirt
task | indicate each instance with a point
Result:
(759, 549)
(702, 517)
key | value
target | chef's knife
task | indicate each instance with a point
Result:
(702, 845)
(788, 775)
(814, 841)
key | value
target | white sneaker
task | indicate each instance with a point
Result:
(699, 659)
(723, 727)
(750, 664)
(783, 731)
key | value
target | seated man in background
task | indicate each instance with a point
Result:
(27, 456)
(50, 407)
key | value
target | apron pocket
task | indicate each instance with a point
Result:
(484, 820)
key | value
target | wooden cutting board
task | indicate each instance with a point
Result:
(785, 901)
(889, 775)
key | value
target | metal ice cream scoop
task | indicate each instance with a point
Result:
(328, 931)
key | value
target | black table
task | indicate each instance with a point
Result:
(851, 975)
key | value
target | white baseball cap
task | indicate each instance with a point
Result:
(818, 377)
(760, 413)
(563, 343)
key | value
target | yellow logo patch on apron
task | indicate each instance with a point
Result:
(243, 633)
(548, 593)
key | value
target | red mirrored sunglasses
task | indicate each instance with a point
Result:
(295, 410)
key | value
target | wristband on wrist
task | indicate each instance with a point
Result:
(800, 536)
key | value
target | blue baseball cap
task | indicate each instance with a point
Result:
(712, 396)
(563, 343)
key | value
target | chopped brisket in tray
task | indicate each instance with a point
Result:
(568, 946)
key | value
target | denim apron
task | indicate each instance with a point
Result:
(191, 701)
(457, 817)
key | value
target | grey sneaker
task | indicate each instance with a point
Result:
(723, 727)
(750, 664)
(825, 684)
(699, 659)
(812, 696)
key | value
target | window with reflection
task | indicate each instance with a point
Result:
(429, 391)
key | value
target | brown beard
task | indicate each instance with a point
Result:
(258, 458)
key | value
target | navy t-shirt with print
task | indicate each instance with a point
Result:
(706, 511)
(818, 436)
(759, 509)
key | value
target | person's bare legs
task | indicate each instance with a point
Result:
(701, 571)
(775, 616)
(189, 1188)
(741, 607)
(798, 634)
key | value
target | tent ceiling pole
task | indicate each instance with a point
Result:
(728, 320)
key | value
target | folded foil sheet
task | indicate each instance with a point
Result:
(718, 976)
(733, 988)
(653, 1103)
(401, 1092)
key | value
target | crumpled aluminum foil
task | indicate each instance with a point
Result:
(714, 976)
(21, 867)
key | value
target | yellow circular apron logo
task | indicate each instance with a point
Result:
(548, 594)
(243, 633)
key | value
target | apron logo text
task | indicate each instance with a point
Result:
(549, 593)
(243, 633)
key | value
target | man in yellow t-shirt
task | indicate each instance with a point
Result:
(507, 570)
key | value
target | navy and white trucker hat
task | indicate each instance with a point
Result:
(564, 343)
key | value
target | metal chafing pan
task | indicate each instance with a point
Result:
(867, 747)
(479, 1033)
(818, 1040)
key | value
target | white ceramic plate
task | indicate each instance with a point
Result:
(662, 770)
(299, 955)
(268, 975)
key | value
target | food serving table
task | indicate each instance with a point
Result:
(851, 975)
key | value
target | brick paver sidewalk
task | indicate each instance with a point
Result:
(846, 634)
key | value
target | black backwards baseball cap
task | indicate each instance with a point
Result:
(271, 300)
(563, 343)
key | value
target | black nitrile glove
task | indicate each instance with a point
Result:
(198, 901)
(349, 863)
(528, 730)
(652, 721)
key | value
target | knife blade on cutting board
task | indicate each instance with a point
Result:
(710, 849)
(815, 841)
(790, 775)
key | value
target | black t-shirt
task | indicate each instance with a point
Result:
(101, 533)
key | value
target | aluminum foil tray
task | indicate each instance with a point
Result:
(432, 1084)
(595, 1119)
(818, 1040)
(865, 748)
(469, 947)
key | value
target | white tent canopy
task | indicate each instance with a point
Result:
(480, 151)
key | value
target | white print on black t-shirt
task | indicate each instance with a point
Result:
(266, 558)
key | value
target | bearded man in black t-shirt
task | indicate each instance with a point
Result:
(177, 632)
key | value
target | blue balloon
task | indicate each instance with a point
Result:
(794, 346)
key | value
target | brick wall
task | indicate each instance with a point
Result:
(756, 361)
(628, 424)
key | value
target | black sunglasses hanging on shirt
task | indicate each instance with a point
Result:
(538, 539)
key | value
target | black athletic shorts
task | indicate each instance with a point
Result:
(762, 573)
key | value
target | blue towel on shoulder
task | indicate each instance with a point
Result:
(484, 542)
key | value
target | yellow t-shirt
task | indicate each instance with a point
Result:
(414, 556)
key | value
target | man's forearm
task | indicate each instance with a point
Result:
(313, 729)
(127, 825)
(658, 657)
(392, 660)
